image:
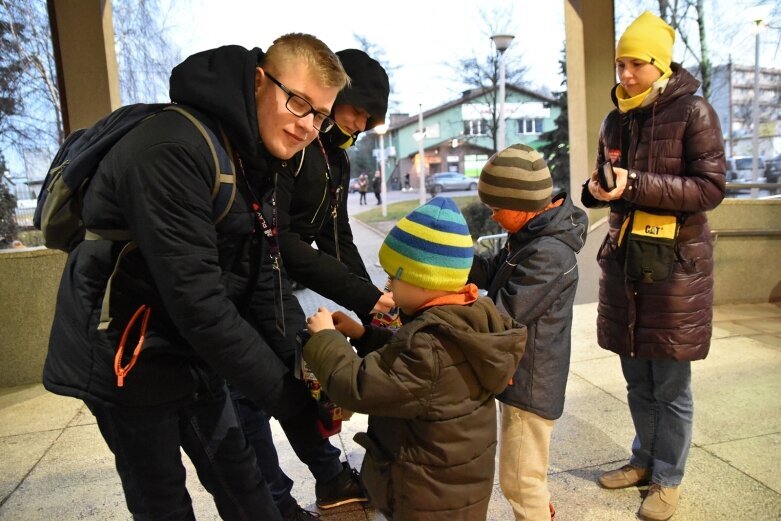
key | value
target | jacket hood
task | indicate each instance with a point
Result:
(566, 222)
(369, 87)
(221, 83)
(491, 342)
(681, 83)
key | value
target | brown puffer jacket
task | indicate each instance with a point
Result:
(429, 390)
(674, 152)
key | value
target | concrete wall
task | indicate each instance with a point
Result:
(28, 284)
(747, 268)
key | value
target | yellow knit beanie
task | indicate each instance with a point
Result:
(650, 39)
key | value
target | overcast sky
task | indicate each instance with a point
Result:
(421, 39)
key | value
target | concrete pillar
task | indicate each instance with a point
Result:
(590, 76)
(83, 40)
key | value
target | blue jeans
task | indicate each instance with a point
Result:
(660, 401)
(146, 445)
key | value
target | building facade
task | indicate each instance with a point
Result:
(732, 96)
(458, 135)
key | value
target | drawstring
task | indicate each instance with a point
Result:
(120, 371)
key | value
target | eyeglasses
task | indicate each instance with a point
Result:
(301, 108)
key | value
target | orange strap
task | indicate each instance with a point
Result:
(120, 371)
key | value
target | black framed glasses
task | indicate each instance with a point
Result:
(301, 108)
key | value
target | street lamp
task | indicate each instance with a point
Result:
(502, 42)
(419, 136)
(381, 130)
(756, 15)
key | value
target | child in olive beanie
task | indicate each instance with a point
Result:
(533, 279)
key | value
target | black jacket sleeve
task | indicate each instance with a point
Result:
(167, 203)
(316, 269)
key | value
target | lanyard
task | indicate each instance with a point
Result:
(336, 194)
(270, 232)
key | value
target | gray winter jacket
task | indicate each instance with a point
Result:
(534, 279)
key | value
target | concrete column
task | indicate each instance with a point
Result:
(590, 76)
(83, 40)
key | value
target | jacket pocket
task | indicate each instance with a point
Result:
(376, 473)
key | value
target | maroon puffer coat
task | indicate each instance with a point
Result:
(675, 155)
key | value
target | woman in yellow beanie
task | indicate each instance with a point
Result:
(665, 147)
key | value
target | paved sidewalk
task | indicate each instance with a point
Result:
(55, 465)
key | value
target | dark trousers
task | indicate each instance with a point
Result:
(146, 445)
(378, 195)
(317, 454)
(362, 199)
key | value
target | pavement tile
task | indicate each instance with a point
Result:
(19, 454)
(31, 408)
(759, 457)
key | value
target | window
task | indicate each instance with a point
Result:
(475, 127)
(530, 125)
(473, 164)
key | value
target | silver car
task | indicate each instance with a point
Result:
(449, 181)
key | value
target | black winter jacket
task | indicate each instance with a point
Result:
(156, 183)
(675, 154)
(533, 279)
(312, 207)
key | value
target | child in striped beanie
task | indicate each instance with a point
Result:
(428, 387)
(533, 279)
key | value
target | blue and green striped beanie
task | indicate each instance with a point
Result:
(430, 248)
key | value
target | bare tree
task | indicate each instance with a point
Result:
(678, 14)
(35, 120)
(30, 116)
(482, 72)
(144, 54)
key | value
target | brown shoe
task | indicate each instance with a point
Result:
(626, 476)
(660, 503)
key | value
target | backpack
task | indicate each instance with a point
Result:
(58, 214)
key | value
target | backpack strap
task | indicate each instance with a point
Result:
(224, 190)
(223, 194)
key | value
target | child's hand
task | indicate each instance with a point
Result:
(347, 326)
(319, 321)
(385, 303)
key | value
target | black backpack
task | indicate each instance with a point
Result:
(58, 214)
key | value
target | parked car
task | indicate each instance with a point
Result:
(773, 169)
(353, 186)
(449, 181)
(740, 169)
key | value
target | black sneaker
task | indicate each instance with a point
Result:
(345, 488)
(299, 514)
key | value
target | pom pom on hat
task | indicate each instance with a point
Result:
(648, 38)
(516, 178)
(430, 248)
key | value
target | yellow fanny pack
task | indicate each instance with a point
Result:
(650, 245)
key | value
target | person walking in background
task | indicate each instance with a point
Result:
(406, 182)
(191, 279)
(429, 387)
(363, 187)
(377, 187)
(655, 299)
(533, 279)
